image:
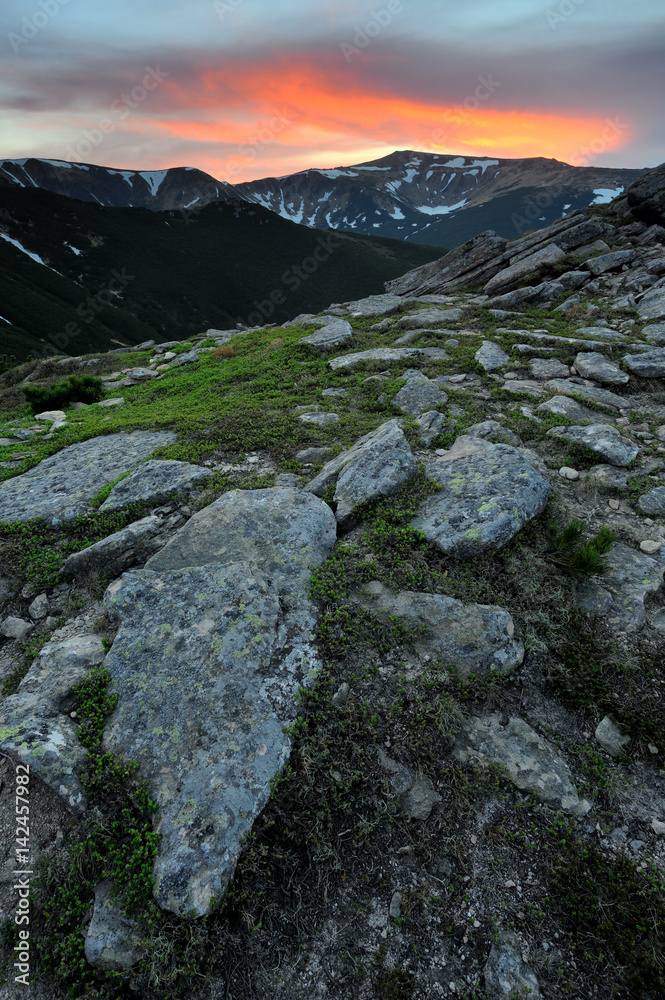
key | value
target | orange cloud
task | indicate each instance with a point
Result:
(290, 108)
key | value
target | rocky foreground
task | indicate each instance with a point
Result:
(398, 740)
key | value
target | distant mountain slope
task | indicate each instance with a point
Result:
(432, 198)
(159, 190)
(437, 198)
(80, 278)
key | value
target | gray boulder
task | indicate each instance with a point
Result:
(609, 261)
(283, 531)
(490, 491)
(474, 638)
(610, 737)
(653, 502)
(491, 356)
(510, 277)
(588, 393)
(375, 466)
(652, 305)
(547, 368)
(388, 355)
(649, 364)
(334, 334)
(601, 439)
(111, 942)
(131, 546)
(15, 628)
(655, 333)
(492, 430)
(507, 976)
(600, 368)
(425, 317)
(532, 764)
(474, 261)
(431, 425)
(207, 664)
(418, 394)
(155, 480)
(61, 487)
(618, 595)
(565, 406)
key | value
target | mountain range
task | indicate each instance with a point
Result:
(438, 199)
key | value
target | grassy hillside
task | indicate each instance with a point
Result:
(166, 275)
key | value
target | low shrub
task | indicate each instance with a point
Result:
(75, 389)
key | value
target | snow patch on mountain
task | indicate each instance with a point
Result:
(605, 195)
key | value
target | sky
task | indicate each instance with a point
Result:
(244, 89)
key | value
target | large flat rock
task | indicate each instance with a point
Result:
(61, 487)
(418, 394)
(652, 305)
(600, 368)
(490, 491)
(334, 334)
(510, 277)
(472, 638)
(647, 364)
(207, 664)
(389, 355)
(601, 439)
(375, 466)
(155, 480)
(283, 531)
(588, 393)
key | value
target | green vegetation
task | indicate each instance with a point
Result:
(574, 556)
(75, 389)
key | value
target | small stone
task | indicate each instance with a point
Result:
(650, 547)
(567, 473)
(39, 608)
(395, 905)
(115, 401)
(614, 504)
(15, 628)
(50, 416)
(658, 827)
(341, 695)
(610, 737)
(509, 884)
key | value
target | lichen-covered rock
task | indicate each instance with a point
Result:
(425, 317)
(618, 594)
(652, 305)
(61, 487)
(155, 480)
(547, 368)
(375, 466)
(532, 764)
(111, 942)
(648, 364)
(207, 664)
(609, 261)
(492, 430)
(599, 368)
(418, 394)
(655, 333)
(601, 439)
(388, 355)
(653, 502)
(490, 492)
(131, 546)
(284, 532)
(588, 393)
(431, 425)
(646, 196)
(491, 356)
(334, 334)
(473, 638)
(565, 406)
(510, 277)
(610, 737)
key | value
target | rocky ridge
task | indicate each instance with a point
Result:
(213, 631)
